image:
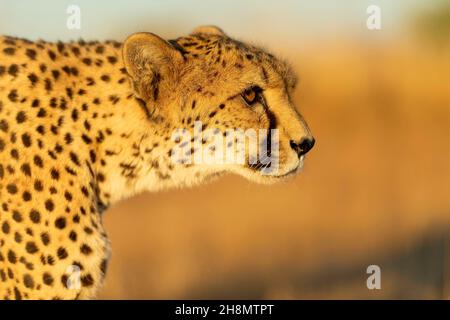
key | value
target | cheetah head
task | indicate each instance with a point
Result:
(226, 105)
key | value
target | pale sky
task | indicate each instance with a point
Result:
(284, 20)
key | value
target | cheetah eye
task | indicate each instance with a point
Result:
(252, 95)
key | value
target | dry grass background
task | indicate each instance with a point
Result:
(375, 190)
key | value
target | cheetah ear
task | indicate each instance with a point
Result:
(209, 30)
(152, 64)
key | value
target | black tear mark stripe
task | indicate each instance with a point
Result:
(273, 122)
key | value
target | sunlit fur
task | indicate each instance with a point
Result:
(83, 125)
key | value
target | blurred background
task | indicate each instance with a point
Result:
(374, 190)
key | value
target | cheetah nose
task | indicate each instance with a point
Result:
(302, 148)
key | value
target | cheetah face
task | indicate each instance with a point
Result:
(227, 104)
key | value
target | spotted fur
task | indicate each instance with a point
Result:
(85, 124)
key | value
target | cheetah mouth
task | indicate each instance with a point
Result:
(258, 168)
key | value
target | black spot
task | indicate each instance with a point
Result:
(49, 205)
(212, 114)
(4, 125)
(48, 84)
(63, 106)
(114, 99)
(86, 139)
(9, 51)
(73, 236)
(68, 196)
(26, 196)
(13, 69)
(29, 231)
(10, 169)
(47, 279)
(62, 253)
(68, 138)
(74, 158)
(31, 247)
(2, 275)
(85, 191)
(74, 114)
(76, 51)
(87, 280)
(38, 186)
(60, 46)
(70, 171)
(17, 216)
(85, 249)
(26, 139)
(69, 92)
(92, 155)
(55, 74)
(28, 281)
(35, 216)
(17, 237)
(5, 227)
(33, 79)
(17, 294)
(31, 54)
(55, 174)
(74, 71)
(45, 238)
(12, 188)
(87, 61)
(26, 169)
(87, 125)
(66, 69)
(60, 223)
(90, 81)
(12, 256)
(105, 78)
(12, 95)
(100, 177)
(112, 59)
(54, 129)
(58, 148)
(76, 218)
(38, 161)
(104, 266)
(99, 49)
(15, 154)
(41, 113)
(35, 103)
(52, 55)
(53, 103)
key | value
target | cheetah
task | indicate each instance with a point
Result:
(86, 124)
